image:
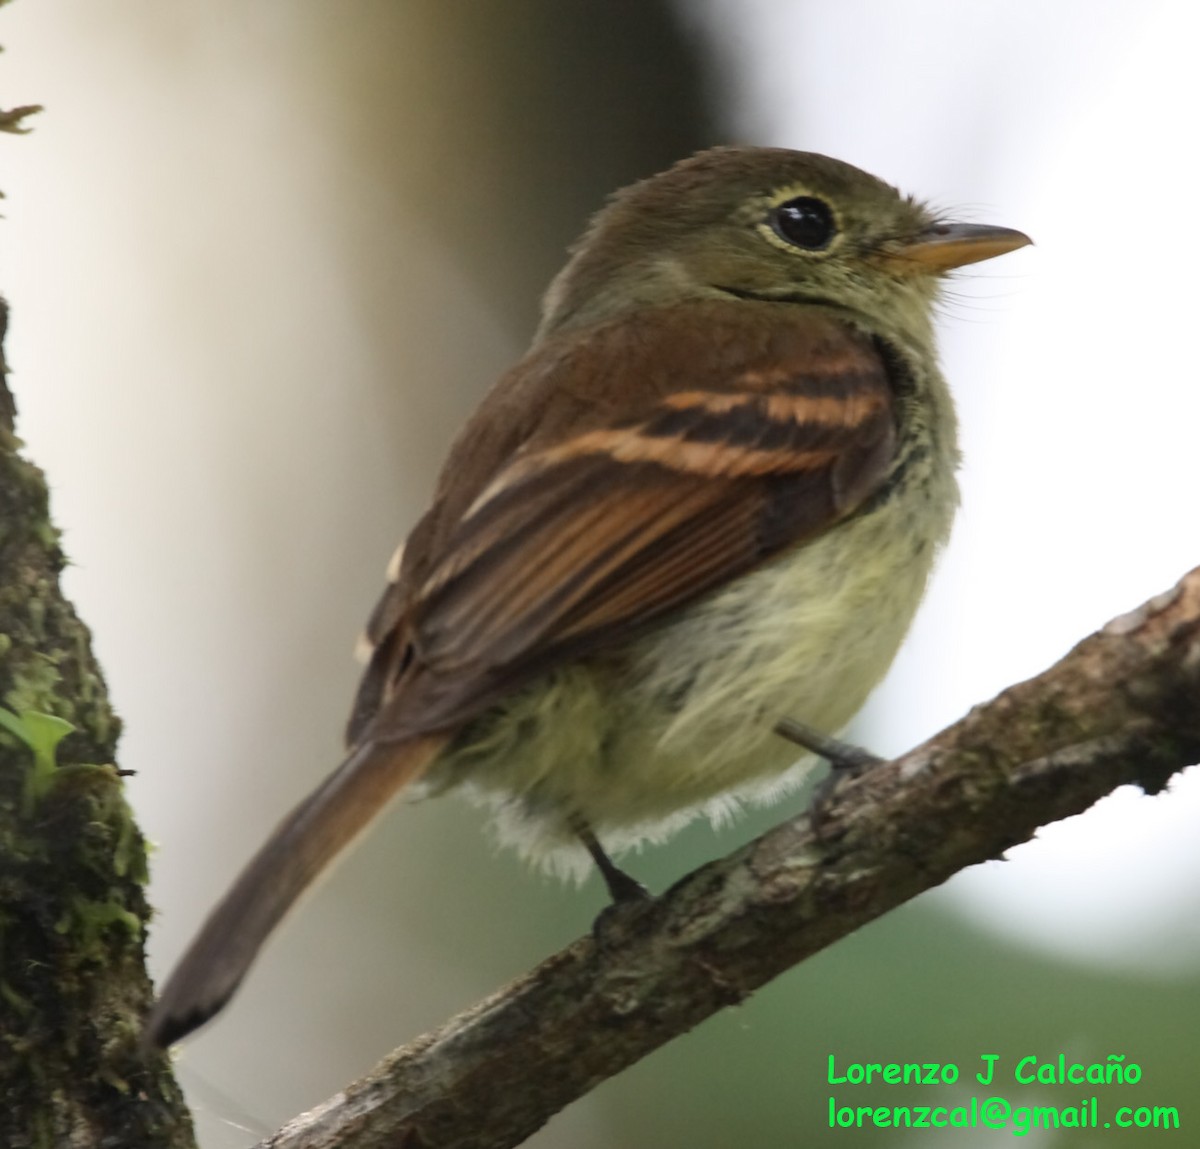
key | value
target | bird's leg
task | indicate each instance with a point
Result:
(845, 760)
(621, 887)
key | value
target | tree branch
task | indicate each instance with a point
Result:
(73, 911)
(1122, 707)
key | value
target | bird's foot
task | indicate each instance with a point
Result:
(845, 761)
(621, 886)
(625, 890)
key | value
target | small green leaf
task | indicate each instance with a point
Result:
(41, 733)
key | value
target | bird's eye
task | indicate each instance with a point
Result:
(804, 222)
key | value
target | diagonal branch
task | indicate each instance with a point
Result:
(1122, 707)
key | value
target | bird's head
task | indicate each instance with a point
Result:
(766, 224)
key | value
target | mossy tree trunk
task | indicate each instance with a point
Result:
(73, 910)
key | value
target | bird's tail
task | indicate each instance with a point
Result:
(303, 845)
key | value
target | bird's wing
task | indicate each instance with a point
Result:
(594, 530)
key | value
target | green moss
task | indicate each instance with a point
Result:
(73, 988)
(110, 843)
(34, 688)
(14, 1000)
(48, 534)
(87, 919)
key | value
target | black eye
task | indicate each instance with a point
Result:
(804, 222)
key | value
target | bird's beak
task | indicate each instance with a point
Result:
(948, 245)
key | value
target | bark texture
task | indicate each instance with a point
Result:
(73, 912)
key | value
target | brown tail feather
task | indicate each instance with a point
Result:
(303, 845)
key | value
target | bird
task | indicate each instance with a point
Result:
(706, 500)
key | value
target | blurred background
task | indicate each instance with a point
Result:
(262, 259)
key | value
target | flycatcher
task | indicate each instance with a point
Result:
(707, 499)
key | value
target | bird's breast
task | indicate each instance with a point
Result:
(679, 720)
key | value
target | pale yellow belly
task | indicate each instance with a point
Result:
(681, 722)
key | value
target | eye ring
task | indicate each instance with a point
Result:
(804, 222)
